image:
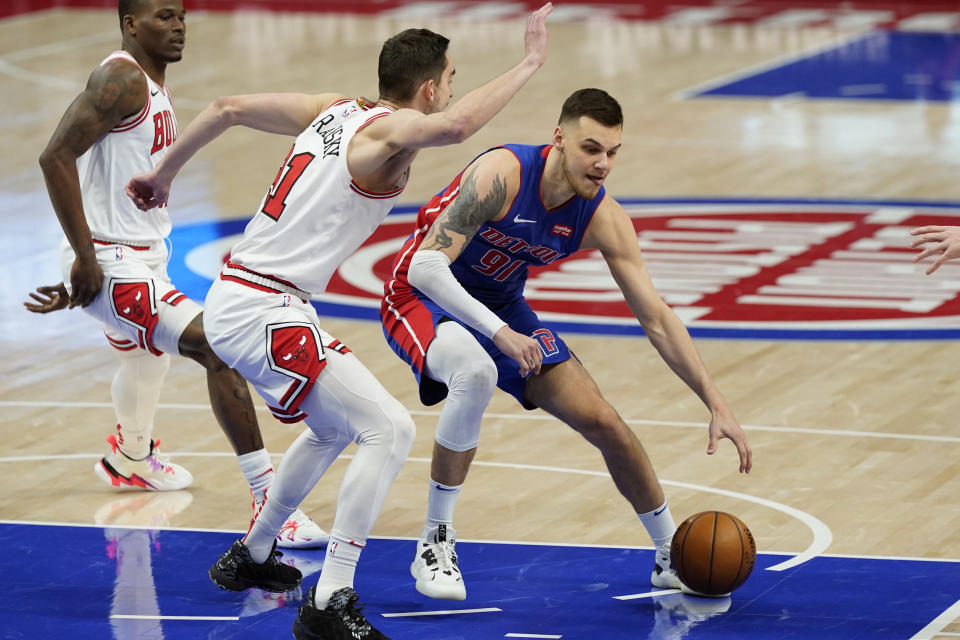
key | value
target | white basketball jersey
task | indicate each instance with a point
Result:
(314, 215)
(134, 146)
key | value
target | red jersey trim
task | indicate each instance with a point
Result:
(373, 194)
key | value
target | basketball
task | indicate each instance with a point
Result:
(713, 552)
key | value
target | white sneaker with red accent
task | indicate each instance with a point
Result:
(153, 473)
(298, 532)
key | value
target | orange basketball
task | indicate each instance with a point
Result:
(713, 552)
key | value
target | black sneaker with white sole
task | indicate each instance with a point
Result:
(341, 620)
(235, 570)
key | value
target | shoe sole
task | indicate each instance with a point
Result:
(117, 480)
(428, 589)
(315, 543)
(228, 583)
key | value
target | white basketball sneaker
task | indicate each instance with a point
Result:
(298, 532)
(663, 575)
(435, 566)
(153, 473)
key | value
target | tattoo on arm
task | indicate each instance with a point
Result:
(467, 212)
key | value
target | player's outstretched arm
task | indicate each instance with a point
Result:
(942, 240)
(487, 188)
(613, 234)
(114, 91)
(281, 113)
(409, 129)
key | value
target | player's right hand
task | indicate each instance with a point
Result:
(535, 37)
(147, 191)
(54, 297)
(86, 279)
(523, 349)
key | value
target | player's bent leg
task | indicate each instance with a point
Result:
(456, 359)
(229, 395)
(234, 411)
(567, 391)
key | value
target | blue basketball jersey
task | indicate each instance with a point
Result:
(493, 266)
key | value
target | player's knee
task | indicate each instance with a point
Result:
(604, 428)
(394, 432)
(193, 344)
(477, 378)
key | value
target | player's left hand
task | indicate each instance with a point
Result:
(724, 425)
(54, 298)
(147, 191)
(942, 240)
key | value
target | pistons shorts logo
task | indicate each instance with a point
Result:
(133, 303)
(294, 349)
(548, 342)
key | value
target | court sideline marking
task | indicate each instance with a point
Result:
(530, 416)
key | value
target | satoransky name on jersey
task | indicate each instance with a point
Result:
(331, 138)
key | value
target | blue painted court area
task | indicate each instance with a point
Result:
(93, 582)
(883, 65)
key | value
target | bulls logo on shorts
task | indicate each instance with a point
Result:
(134, 304)
(295, 350)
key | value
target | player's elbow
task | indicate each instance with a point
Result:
(225, 109)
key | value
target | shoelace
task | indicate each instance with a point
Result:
(445, 557)
(353, 611)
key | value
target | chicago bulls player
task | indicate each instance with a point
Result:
(348, 165)
(454, 311)
(114, 258)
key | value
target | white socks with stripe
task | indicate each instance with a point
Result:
(258, 470)
(659, 524)
(338, 569)
(440, 505)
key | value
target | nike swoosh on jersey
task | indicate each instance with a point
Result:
(517, 218)
(153, 93)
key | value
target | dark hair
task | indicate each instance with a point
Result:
(596, 104)
(408, 59)
(129, 7)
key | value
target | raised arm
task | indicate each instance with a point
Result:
(114, 91)
(282, 113)
(487, 189)
(410, 129)
(613, 234)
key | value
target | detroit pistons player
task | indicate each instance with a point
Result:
(348, 165)
(114, 258)
(454, 311)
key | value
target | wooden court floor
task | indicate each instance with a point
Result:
(856, 444)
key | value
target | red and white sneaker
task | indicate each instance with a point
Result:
(153, 473)
(298, 532)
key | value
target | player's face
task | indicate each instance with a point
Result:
(589, 150)
(444, 89)
(161, 29)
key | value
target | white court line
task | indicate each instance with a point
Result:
(935, 627)
(412, 614)
(141, 617)
(531, 416)
(529, 635)
(576, 545)
(822, 536)
(649, 594)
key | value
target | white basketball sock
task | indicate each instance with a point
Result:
(659, 524)
(339, 567)
(440, 505)
(258, 470)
